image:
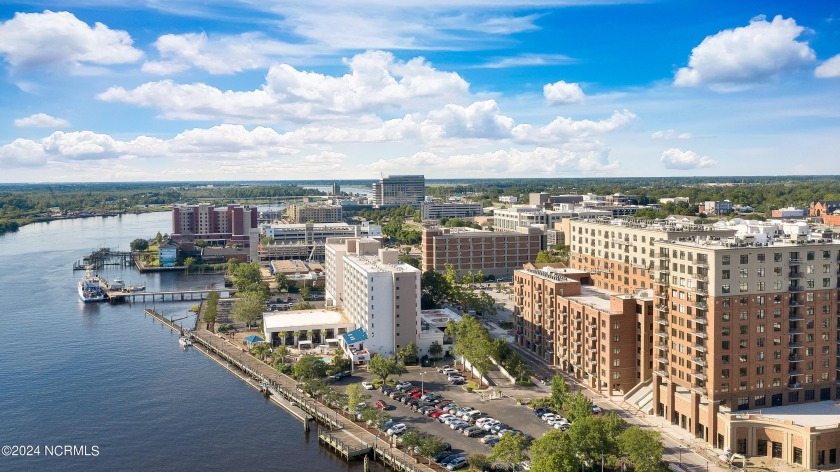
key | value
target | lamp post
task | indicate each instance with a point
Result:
(422, 390)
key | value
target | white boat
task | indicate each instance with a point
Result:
(185, 342)
(135, 288)
(90, 288)
(117, 284)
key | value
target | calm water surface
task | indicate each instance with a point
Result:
(107, 376)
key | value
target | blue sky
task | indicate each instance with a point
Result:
(107, 90)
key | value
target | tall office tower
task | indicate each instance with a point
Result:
(399, 190)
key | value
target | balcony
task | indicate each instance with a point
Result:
(662, 281)
(794, 386)
(700, 319)
(701, 306)
(662, 346)
(795, 288)
(662, 320)
(795, 317)
(794, 261)
(699, 348)
(699, 375)
(794, 303)
(795, 358)
(701, 291)
(795, 345)
(701, 334)
(702, 263)
(663, 308)
(662, 360)
(699, 361)
(662, 335)
(794, 373)
(701, 276)
(699, 389)
(795, 275)
(661, 373)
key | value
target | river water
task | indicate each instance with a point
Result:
(115, 384)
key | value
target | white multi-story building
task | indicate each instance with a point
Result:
(508, 219)
(399, 190)
(438, 210)
(377, 293)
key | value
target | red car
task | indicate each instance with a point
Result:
(436, 414)
(382, 405)
(412, 390)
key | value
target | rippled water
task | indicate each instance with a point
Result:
(107, 376)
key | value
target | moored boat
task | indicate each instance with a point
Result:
(90, 288)
(117, 284)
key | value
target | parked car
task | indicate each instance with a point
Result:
(443, 368)
(482, 421)
(442, 418)
(342, 375)
(368, 385)
(456, 378)
(382, 405)
(398, 428)
(472, 414)
(441, 456)
(437, 414)
(597, 409)
(488, 439)
(473, 431)
(430, 396)
(404, 385)
(442, 403)
(449, 459)
(448, 372)
(459, 382)
(538, 412)
(457, 463)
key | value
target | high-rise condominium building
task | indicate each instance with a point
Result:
(399, 190)
(232, 223)
(491, 252)
(378, 293)
(739, 324)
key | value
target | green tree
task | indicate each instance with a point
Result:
(211, 310)
(410, 260)
(340, 363)
(434, 290)
(282, 282)
(139, 244)
(260, 350)
(309, 367)
(158, 237)
(435, 350)
(247, 277)
(546, 257)
(472, 342)
(280, 353)
(479, 277)
(642, 449)
(189, 262)
(316, 387)
(375, 417)
(302, 306)
(383, 367)
(248, 308)
(408, 353)
(510, 449)
(304, 292)
(554, 452)
(412, 438)
(478, 462)
(355, 395)
(559, 392)
(232, 265)
(430, 446)
(577, 407)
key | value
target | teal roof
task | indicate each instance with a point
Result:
(356, 336)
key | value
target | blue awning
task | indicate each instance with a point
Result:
(254, 339)
(356, 336)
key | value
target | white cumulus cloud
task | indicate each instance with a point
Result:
(41, 40)
(561, 92)
(376, 81)
(224, 54)
(669, 134)
(674, 158)
(568, 159)
(829, 69)
(736, 58)
(41, 120)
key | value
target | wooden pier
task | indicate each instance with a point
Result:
(104, 257)
(118, 296)
(340, 434)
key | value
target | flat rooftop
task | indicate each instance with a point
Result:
(439, 317)
(288, 320)
(815, 414)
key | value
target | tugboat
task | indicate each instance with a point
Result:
(90, 288)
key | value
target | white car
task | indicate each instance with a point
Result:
(455, 424)
(450, 372)
(398, 428)
(444, 417)
(549, 417)
(451, 419)
(367, 385)
(471, 414)
(482, 421)
(404, 385)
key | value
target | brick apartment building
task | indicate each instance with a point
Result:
(493, 253)
(738, 326)
(319, 213)
(218, 226)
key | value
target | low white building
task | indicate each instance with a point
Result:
(432, 326)
(327, 325)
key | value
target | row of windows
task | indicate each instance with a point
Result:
(777, 257)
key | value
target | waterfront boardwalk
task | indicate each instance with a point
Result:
(341, 434)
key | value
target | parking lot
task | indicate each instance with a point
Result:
(518, 417)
